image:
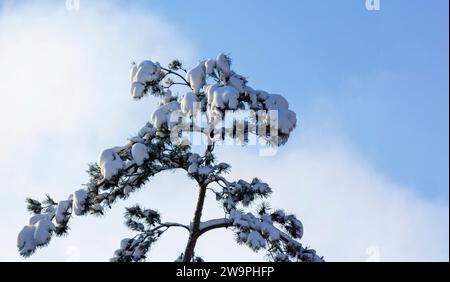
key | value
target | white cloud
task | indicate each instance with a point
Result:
(348, 207)
(64, 82)
(64, 91)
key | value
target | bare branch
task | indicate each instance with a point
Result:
(175, 224)
(177, 74)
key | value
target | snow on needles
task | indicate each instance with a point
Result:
(163, 115)
(140, 75)
(62, 211)
(225, 97)
(216, 89)
(109, 163)
(227, 92)
(79, 201)
(37, 233)
(139, 153)
(223, 64)
(187, 103)
(196, 77)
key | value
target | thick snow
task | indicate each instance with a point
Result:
(127, 190)
(137, 89)
(243, 236)
(147, 129)
(163, 114)
(109, 163)
(140, 153)
(61, 211)
(196, 77)
(133, 71)
(79, 200)
(37, 217)
(239, 219)
(262, 95)
(43, 231)
(209, 90)
(278, 106)
(212, 222)
(263, 225)
(136, 139)
(286, 119)
(235, 215)
(238, 82)
(37, 233)
(193, 161)
(255, 240)
(138, 253)
(187, 103)
(193, 168)
(276, 102)
(25, 240)
(193, 158)
(210, 64)
(147, 71)
(225, 96)
(124, 243)
(223, 64)
(270, 230)
(204, 170)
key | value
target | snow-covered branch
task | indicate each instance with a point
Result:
(216, 91)
(260, 233)
(214, 224)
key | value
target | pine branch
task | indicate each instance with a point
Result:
(125, 169)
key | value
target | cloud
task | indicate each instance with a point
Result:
(64, 90)
(64, 81)
(350, 210)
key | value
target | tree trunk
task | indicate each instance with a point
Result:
(195, 228)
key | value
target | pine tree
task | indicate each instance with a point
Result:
(215, 91)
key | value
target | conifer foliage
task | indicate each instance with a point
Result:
(215, 90)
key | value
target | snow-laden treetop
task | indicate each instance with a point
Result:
(215, 89)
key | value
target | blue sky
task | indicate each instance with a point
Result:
(384, 72)
(370, 89)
